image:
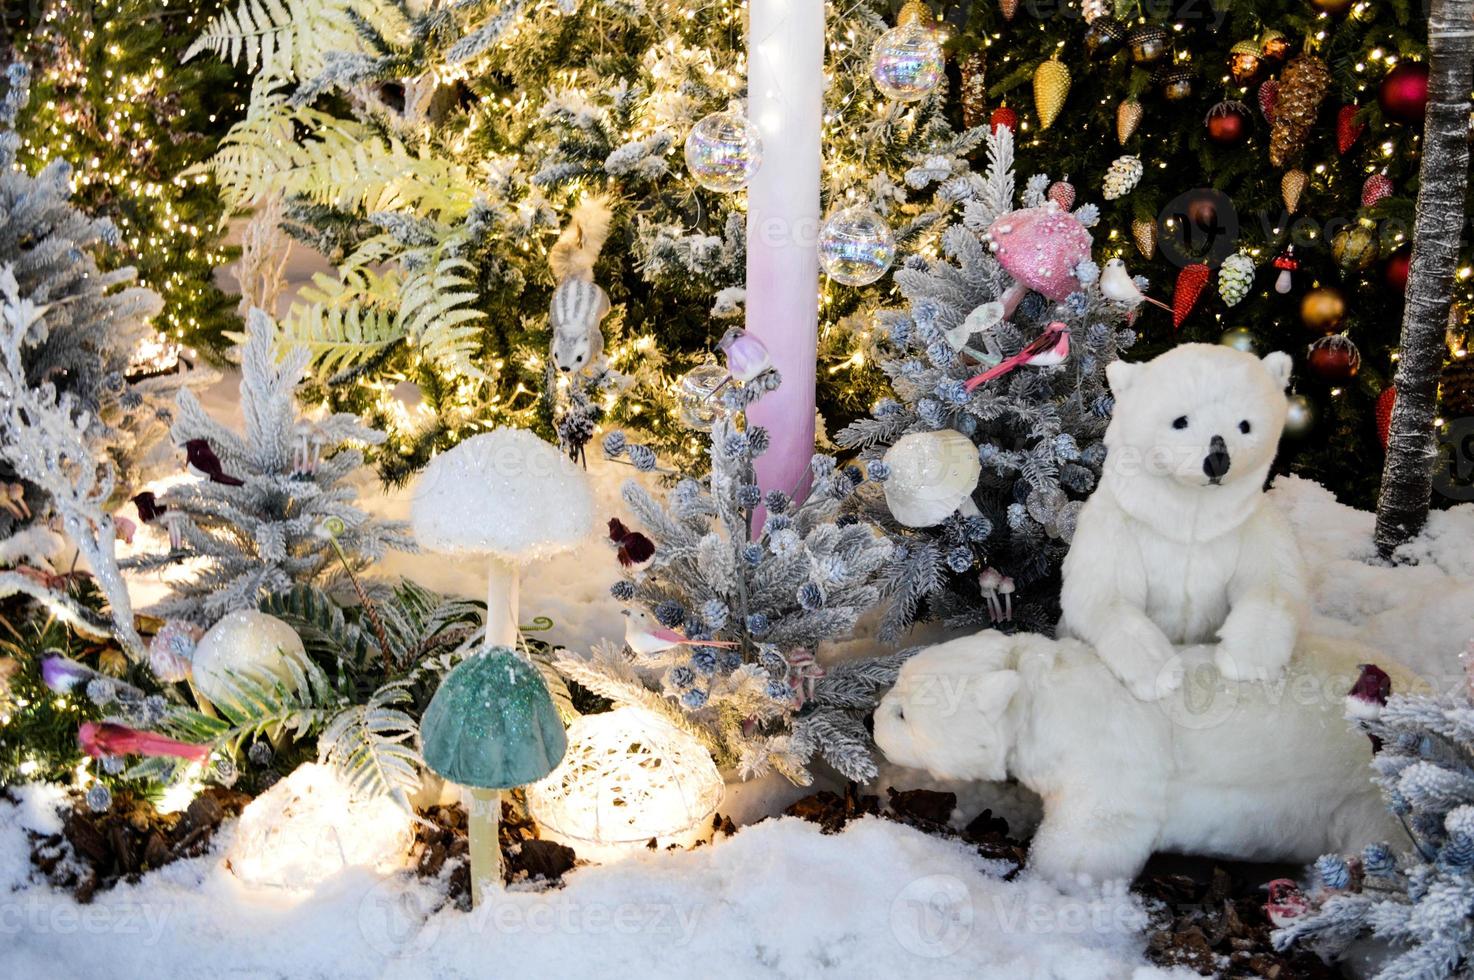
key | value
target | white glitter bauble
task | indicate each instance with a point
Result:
(245, 644)
(856, 246)
(700, 408)
(907, 62)
(723, 151)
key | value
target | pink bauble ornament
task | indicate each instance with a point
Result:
(1040, 247)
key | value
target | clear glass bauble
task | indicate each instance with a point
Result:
(723, 151)
(696, 396)
(907, 62)
(856, 246)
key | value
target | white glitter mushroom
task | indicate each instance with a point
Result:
(507, 495)
(932, 476)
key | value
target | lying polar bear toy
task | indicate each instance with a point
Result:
(1229, 769)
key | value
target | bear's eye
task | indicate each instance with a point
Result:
(1180, 422)
(1245, 427)
(900, 714)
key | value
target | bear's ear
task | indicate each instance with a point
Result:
(1279, 365)
(1119, 376)
(994, 692)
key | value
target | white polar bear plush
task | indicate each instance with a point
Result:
(1258, 771)
(1179, 544)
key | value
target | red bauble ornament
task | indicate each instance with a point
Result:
(1202, 210)
(1394, 273)
(1269, 97)
(1005, 117)
(1348, 128)
(1228, 123)
(1377, 186)
(1404, 92)
(1190, 283)
(1334, 359)
(1385, 403)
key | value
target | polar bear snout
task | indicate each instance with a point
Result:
(1217, 462)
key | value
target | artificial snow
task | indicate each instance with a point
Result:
(779, 899)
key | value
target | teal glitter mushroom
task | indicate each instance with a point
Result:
(491, 726)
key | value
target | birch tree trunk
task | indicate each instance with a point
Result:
(1438, 230)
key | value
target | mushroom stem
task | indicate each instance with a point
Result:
(483, 818)
(968, 508)
(501, 604)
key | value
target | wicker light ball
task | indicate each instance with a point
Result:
(627, 778)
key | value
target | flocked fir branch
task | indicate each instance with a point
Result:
(1416, 894)
(772, 577)
(1038, 431)
(48, 440)
(269, 533)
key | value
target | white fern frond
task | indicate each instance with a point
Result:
(372, 746)
(284, 38)
(435, 313)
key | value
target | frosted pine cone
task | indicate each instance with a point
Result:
(1122, 177)
(1235, 278)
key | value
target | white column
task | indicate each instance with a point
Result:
(785, 99)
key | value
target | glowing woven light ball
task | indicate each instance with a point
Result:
(627, 778)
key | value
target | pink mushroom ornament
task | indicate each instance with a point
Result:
(1040, 247)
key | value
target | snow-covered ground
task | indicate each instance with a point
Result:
(777, 900)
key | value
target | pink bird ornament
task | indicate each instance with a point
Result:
(101, 739)
(1049, 349)
(645, 636)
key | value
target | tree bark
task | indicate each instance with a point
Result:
(1438, 230)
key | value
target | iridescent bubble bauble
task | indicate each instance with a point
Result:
(695, 395)
(856, 246)
(723, 151)
(907, 62)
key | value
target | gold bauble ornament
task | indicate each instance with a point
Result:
(1051, 86)
(1292, 185)
(1243, 61)
(1323, 310)
(1128, 117)
(1144, 231)
(1355, 248)
(1299, 417)
(1274, 46)
(1240, 338)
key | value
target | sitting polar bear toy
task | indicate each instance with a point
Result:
(1179, 544)
(1229, 769)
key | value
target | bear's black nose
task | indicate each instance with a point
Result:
(1216, 463)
